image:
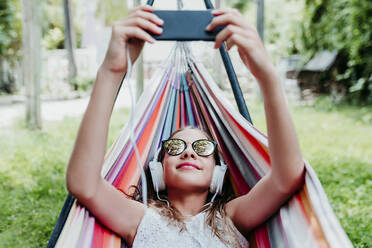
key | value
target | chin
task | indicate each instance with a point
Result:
(188, 183)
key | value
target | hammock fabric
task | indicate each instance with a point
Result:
(181, 93)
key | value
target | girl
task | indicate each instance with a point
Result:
(188, 221)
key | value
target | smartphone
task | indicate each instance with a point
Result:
(186, 25)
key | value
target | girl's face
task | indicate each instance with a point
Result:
(188, 171)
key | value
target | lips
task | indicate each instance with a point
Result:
(188, 165)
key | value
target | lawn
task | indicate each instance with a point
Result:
(336, 140)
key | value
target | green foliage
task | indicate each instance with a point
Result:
(241, 5)
(345, 25)
(112, 10)
(53, 39)
(54, 23)
(282, 22)
(10, 29)
(10, 42)
(82, 83)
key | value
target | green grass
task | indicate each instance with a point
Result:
(336, 140)
(32, 178)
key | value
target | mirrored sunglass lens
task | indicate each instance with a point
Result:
(174, 147)
(203, 147)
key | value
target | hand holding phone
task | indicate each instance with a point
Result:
(186, 25)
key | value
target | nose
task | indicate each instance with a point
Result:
(188, 153)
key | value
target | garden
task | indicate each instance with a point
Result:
(335, 137)
(335, 140)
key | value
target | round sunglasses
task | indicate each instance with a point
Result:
(202, 147)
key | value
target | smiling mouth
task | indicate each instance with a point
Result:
(188, 166)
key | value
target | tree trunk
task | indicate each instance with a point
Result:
(31, 61)
(260, 18)
(2, 74)
(70, 43)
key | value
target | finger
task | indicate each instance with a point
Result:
(146, 8)
(224, 19)
(144, 24)
(136, 32)
(225, 34)
(149, 16)
(242, 42)
(217, 12)
(229, 43)
(234, 40)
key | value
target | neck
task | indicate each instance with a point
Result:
(188, 203)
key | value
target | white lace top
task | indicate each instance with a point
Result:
(155, 232)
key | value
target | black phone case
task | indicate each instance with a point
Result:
(186, 25)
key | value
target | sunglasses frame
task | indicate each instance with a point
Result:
(192, 145)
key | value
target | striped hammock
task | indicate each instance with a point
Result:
(181, 93)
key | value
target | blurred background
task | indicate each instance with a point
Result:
(50, 51)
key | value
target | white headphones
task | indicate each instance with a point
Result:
(157, 176)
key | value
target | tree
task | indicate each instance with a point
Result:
(10, 43)
(345, 25)
(260, 18)
(53, 25)
(70, 43)
(31, 60)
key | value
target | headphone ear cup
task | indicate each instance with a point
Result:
(217, 179)
(157, 175)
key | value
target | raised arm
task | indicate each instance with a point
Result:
(286, 175)
(83, 177)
